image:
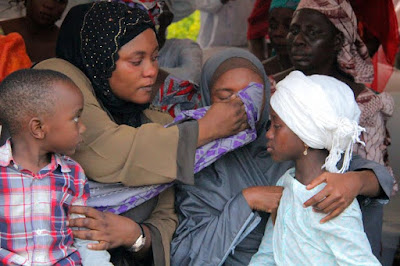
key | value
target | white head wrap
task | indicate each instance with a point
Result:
(322, 112)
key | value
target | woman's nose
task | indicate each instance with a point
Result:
(150, 69)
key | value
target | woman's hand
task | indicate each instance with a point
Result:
(109, 229)
(221, 120)
(340, 191)
(264, 198)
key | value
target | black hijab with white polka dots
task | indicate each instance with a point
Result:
(90, 38)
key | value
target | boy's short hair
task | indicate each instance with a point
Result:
(27, 93)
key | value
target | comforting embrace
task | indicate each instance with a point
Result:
(124, 183)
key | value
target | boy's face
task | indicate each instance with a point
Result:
(283, 144)
(63, 127)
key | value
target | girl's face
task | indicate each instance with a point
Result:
(313, 42)
(283, 144)
(136, 69)
(231, 82)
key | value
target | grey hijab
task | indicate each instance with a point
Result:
(208, 71)
(215, 61)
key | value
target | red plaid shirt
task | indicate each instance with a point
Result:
(34, 209)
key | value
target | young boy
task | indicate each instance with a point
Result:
(314, 121)
(41, 109)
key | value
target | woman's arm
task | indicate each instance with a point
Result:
(205, 234)
(162, 224)
(368, 178)
(146, 155)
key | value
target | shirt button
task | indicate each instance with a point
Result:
(40, 232)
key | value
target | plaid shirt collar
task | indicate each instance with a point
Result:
(6, 159)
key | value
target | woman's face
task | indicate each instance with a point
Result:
(279, 23)
(45, 12)
(231, 82)
(136, 69)
(312, 42)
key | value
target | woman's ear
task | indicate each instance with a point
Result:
(339, 40)
(36, 128)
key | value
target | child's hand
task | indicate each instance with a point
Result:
(337, 195)
(263, 198)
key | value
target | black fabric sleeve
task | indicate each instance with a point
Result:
(188, 137)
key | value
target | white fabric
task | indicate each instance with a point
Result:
(223, 24)
(322, 112)
(298, 238)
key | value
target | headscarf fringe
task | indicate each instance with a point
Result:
(347, 131)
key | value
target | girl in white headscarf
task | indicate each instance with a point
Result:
(314, 122)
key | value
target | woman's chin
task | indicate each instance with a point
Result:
(143, 98)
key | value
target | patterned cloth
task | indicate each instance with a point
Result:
(252, 97)
(353, 58)
(298, 238)
(117, 198)
(176, 95)
(376, 109)
(34, 210)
